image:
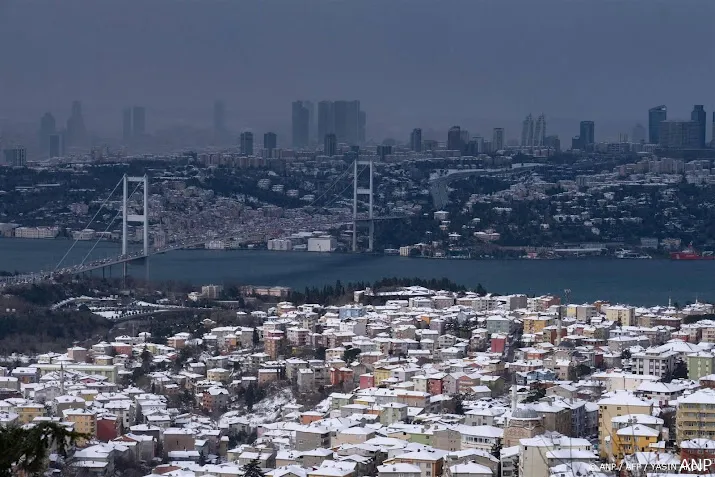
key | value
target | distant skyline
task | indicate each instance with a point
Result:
(410, 63)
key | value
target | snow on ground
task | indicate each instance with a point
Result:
(112, 315)
(323, 406)
(266, 411)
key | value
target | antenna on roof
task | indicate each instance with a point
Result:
(62, 378)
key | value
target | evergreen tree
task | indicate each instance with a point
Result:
(256, 338)
(25, 450)
(253, 469)
(250, 397)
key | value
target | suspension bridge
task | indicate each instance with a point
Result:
(362, 214)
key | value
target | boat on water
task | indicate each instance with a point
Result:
(691, 254)
(630, 254)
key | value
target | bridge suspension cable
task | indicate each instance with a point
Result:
(337, 179)
(88, 224)
(109, 225)
(340, 194)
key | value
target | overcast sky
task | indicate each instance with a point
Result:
(430, 63)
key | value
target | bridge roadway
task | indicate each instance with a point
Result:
(43, 276)
(38, 277)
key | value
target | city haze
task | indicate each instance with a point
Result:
(480, 64)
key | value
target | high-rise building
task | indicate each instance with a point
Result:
(326, 118)
(498, 139)
(138, 121)
(330, 145)
(675, 134)
(15, 156)
(48, 127)
(638, 133)
(247, 143)
(219, 119)
(56, 146)
(698, 115)
(416, 140)
(384, 150)
(362, 125)
(587, 134)
(270, 142)
(553, 142)
(347, 121)
(76, 130)
(527, 131)
(300, 117)
(454, 139)
(312, 131)
(127, 124)
(540, 131)
(464, 137)
(655, 116)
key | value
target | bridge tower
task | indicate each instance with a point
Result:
(363, 191)
(142, 218)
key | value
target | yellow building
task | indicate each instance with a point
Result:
(381, 374)
(632, 439)
(695, 417)
(28, 412)
(536, 323)
(617, 404)
(84, 421)
(625, 315)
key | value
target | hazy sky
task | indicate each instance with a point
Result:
(430, 63)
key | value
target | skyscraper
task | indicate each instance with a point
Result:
(416, 140)
(698, 115)
(310, 106)
(527, 131)
(498, 139)
(540, 131)
(56, 146)
(587, 136)
(270, 142)
(326, 119)
(679, 134)
(655, 116)
(454, 139)
(138, 121)
(219, 120)
(553, 142)
(48, 127)
(127, 124)
(383, 150)
(330, 145)
(347, 121)
(76, 131)
(247, 143)
(362, 125)
(300, 117)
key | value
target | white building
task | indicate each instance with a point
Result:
(280, 244)
(653, 361)
(324, 243)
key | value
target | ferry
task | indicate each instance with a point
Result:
(630, 254)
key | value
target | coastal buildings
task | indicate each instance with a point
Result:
(420, 382)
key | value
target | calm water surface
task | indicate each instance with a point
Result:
(646, 282)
